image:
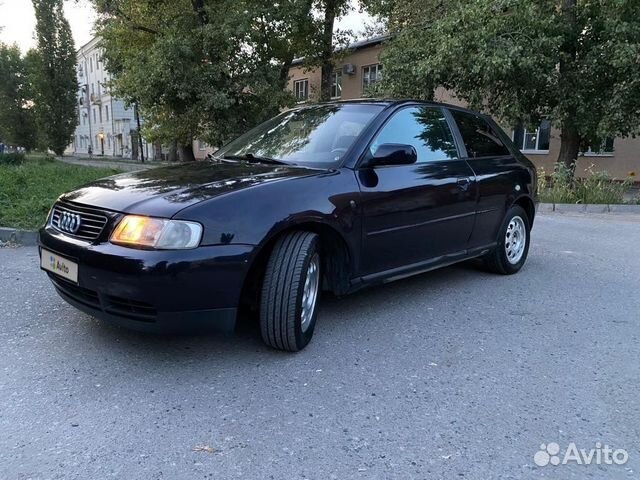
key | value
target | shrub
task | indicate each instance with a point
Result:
(12, 159)
(600, 188)
(596, 188)
(560, 188)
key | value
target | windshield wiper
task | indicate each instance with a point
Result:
(250, 157)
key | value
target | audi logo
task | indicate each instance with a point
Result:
(69, 222)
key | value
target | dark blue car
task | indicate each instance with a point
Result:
(328, 197)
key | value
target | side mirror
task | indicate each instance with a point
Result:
(393, 154)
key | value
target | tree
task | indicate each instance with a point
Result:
(331, 9)
(54, 75)
(323, 42)
(198, 69)
(17, 120)
(576, 62)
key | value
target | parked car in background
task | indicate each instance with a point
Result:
(329, 197)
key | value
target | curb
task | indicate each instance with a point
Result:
(27, 238)
(589, 208)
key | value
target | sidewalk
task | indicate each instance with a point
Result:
(126, 165)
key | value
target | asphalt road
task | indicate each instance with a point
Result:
(453, 374)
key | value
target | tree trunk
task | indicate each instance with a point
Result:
(157, 150)
(173, 152)
(137, 115)
(284, 70)
(569, 136)
(185, 152)
(327, 49)
(299, 35)
(569, 147)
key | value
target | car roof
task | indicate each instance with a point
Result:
(392, 102)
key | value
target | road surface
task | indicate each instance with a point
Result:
(452, 374)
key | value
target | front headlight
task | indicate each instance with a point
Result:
(157, 233)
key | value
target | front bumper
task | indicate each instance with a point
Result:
(161, 291)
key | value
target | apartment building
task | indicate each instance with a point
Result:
(106, 126)
(361, 69)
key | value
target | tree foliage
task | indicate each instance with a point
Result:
(17, 119)
(576, 62)
(202, 69)
(54, 75)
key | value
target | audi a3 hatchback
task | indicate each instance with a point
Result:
(328, 197)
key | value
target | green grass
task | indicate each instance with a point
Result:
(28, 191)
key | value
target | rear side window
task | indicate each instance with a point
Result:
(479, 137)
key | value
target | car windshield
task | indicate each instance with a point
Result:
(315, 136)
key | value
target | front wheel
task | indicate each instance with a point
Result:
(513, 243)
(291, 292)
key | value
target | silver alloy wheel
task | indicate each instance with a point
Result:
(515, 240)
(310, 292)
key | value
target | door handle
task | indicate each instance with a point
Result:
(464, 182)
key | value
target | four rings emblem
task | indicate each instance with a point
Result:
(69, 222)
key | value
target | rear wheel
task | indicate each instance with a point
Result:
(513, 243)
(291, 292)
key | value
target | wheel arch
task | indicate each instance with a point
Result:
(528, 206)
(337, 258)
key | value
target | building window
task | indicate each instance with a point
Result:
(91, 63)
(94, 116)
(533, 140)
(301, 90)
(371, 75)
(336, 85)
(100, 113)
(106, 112)
(601, 147)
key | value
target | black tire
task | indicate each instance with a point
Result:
(496, 261)
(281, 323)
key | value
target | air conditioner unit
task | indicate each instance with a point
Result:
(349, 69)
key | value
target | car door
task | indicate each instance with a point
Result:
(495, 168)
(414, 213)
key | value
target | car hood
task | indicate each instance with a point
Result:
(165, 191)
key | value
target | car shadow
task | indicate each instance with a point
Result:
(339, 315)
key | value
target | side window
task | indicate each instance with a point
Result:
(480, 139)
(425, 128)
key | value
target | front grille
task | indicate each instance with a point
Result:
(86, 223)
